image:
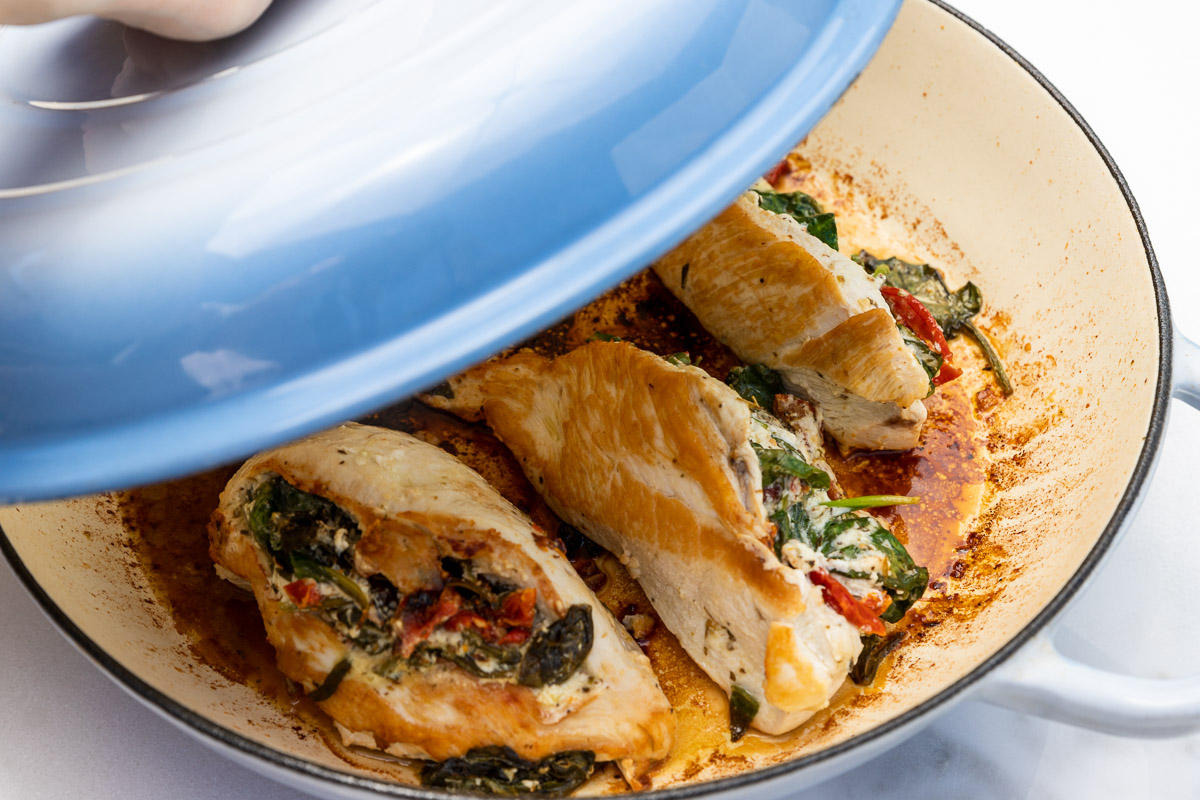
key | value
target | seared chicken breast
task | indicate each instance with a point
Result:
(780, 297)
(425, 614)
(684, 481)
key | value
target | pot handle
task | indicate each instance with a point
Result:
(1185, 368)
(1041, 681)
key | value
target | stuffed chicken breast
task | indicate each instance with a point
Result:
(429, 619)
(714, 506)
(759, 282)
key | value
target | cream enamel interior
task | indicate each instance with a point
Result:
(945, 149)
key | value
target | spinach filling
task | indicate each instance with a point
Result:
(794, 494)
(903, 580)
(499, 770)
(779, 463)
(555, 652)
(472, 653)
(954, 310)
(804, 210)
(929, 359)
(795, 498)
(306, 536)
(289, 524)
(478, 622)
(756, 383)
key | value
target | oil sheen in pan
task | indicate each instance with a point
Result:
(949, 471)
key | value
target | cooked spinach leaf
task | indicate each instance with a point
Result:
(679, 359)
(835, 528)
(777, 463)
(384, 596)
(757, 383)
(478, 657)
(824, 227)
(804, 210)
(904, 582)
(556, 651)
(372, 640)
(287, 523)
(953, 310)
(331, 682)
(929, 359)
(989, 352)
(791, 523)
(305, 567)
(601, 336)
(743, 708)
(266, 498)
(875, 650)
(499, 770)
(794, 204)
(489, 589)
(577, 544)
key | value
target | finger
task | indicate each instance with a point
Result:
(192, 20)
(195, 20)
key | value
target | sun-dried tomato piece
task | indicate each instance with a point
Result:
(419, 624)
(304, 592)
(838, 598)
(517, 609)
(912, 313)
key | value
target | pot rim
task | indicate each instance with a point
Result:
(1141, 472)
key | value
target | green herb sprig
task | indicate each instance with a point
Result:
(873, 501)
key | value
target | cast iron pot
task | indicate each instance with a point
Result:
(979, 164)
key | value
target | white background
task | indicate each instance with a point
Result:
(1132, 70)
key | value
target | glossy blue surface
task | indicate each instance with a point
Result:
(207, 249)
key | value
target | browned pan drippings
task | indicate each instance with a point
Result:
(947, 471)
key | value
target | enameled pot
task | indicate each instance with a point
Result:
(974, 161)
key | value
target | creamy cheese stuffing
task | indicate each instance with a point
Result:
(851, 551)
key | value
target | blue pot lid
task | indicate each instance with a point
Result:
(207, 249)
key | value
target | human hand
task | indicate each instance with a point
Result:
(194, 20)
